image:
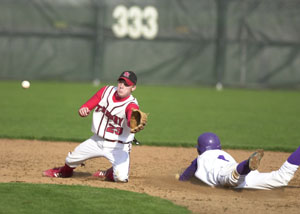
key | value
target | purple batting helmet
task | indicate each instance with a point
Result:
(208, 141)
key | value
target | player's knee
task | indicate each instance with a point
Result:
(72, 163)
(121, 179)
(118, 177)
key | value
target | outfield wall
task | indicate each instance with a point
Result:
(247, 43)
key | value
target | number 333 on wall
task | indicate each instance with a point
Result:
(135, 22)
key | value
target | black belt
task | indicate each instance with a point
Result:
(118, 141)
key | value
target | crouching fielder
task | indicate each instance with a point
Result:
(116, 119)
(216, 167)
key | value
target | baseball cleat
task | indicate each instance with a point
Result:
(53, 173)
(101, 174)
(254, 159)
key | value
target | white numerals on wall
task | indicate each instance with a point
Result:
(135, 22)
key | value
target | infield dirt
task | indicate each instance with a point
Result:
(152, 172)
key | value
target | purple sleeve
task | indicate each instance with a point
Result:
(189, 172)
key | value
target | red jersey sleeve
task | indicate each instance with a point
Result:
(128, 111)
(94, 100)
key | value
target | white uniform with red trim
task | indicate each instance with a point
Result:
(112, 137)
(109, 118)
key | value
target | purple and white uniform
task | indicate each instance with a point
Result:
(215, 167)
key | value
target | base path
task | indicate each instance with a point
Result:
(152, 172)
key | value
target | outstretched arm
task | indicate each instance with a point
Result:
(86, 108)
(189, 172)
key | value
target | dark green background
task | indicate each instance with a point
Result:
(247, 43)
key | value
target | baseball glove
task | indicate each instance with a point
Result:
(138, 120)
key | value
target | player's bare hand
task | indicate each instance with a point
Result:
(84, 111)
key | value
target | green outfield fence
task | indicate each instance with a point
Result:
(244, 43)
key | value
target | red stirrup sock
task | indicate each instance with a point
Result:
(110, 174)
(66, 171)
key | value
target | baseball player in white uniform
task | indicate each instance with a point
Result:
(216, 167)
(111, 127)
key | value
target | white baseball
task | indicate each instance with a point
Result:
(219, 86)
(25, 84)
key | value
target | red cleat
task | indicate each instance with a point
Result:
(53, 173)
(100, 174)
(105, 175)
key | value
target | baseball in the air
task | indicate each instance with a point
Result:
(219, 86)
(25, 84)
(177, 176)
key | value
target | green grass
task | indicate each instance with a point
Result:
(47, 198)
(243, 119)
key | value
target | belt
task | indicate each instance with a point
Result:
(118, 141)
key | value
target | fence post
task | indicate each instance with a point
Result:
(221, 35)
(98, 42)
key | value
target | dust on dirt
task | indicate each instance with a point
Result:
(152, 172)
